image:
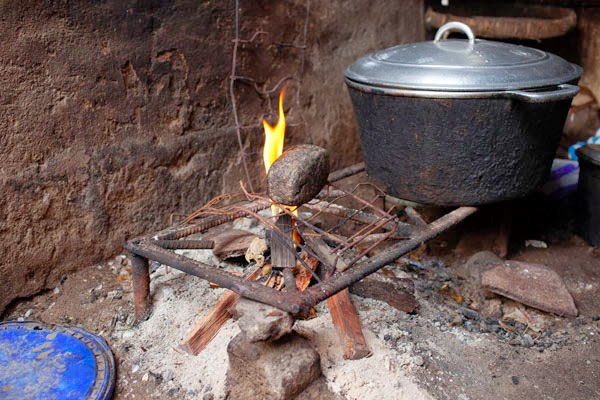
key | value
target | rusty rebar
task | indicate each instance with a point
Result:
(340, 281)
(249, 289)
(140, 276)
(185, 244)
(179, 232)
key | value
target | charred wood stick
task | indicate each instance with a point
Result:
(207, 328)
(331, 261)
(289, 279)
(414, 216)
(346, 172)
(503, 237)
(282, 243)
(386, 292)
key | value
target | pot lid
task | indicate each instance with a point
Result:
(462, 65)
(590, 153)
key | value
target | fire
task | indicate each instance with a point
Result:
(274, 136)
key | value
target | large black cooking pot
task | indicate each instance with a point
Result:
(460, 122)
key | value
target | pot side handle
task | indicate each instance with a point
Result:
(562, 92)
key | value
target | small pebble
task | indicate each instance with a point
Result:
(527, 341)
(28, 313)
(469, 314)
(135, 369)
(56, 290)
(418, 361)
(515, 380)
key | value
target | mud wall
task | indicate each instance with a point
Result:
(115, 115)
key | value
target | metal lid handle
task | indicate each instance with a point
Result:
(444, 30)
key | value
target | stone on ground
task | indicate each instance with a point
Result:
(262, 322)
(277, 370)
(534, 285)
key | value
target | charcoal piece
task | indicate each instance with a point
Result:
(298, 175)
(386, 292)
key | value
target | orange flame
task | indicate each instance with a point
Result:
(274, 136)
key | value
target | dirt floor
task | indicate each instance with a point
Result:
(461, 343)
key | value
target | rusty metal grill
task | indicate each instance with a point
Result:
(341, 245)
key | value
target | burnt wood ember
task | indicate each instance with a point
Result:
(298, 175)
(386, 292)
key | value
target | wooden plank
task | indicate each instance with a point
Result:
(345, 319)
(207, 328)
(343, 314)
(282, 255)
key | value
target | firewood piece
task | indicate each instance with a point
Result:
(343, 314)
(345, 319)
(303, 277)
(386, 292)
(207, 328)
(230, 243)
(534, 285)
(298, 175)
(282, 247)
(331, 261)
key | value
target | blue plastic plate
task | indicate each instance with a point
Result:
(54, 362)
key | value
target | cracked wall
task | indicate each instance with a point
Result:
(115, 115)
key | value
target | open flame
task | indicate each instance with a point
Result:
(274, 136)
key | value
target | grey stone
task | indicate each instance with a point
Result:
(261, 322)
(271, 370)
(534, 285)
(298, 175)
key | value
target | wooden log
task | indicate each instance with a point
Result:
(282, 255)
(207, 328)
(343, 314)
(345, 319)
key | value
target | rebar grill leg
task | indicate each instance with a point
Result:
(141, 287)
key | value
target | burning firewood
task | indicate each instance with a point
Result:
(207, 328)
(343, 314)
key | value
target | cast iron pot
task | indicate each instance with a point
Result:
(460, 122)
